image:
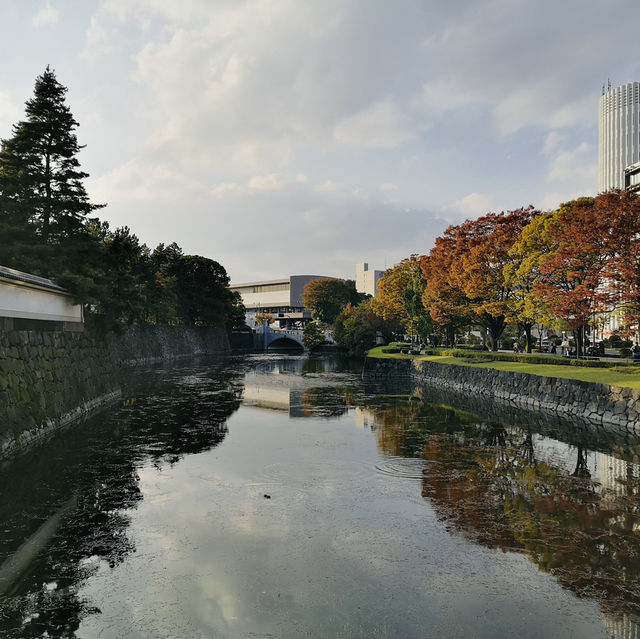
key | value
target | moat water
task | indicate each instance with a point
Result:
(284, 497)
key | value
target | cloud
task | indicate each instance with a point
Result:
(551, 142)
(293, 226)
(141, 181)
(573, 164)
(283, 128)
(472, 205)
(9, 111)
(266, 182)
(380, 126)
(46, 16)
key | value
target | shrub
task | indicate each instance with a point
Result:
(625, 352)
(507, 343)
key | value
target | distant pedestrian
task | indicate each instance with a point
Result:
(564, 347)
(554, 350)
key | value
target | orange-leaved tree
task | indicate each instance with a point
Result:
(466, 271)
(622, 209)
(443, 297)
(573, 268)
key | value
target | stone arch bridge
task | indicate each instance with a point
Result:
(268, 337)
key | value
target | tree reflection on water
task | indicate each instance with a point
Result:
(93, 471)
(512, 489)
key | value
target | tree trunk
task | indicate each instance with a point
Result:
(578, 335)
(526, 328)
(450, 335)
(495, 327)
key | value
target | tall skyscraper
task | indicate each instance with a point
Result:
(619, 135)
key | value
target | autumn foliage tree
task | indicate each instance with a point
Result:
(443, 296)
(622, 271)
(399, 297)
(522, 273)
(465, 273)
(572, 268)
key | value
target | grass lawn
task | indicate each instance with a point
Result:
(595, 375)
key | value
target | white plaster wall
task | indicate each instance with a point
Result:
(22, 301)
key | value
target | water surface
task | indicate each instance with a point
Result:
(282, 497)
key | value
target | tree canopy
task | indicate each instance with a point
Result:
(46, 228)
(325, 297)
(42, 194)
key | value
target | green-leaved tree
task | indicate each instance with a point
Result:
(43, 201)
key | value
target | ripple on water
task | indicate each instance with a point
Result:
(404, 467)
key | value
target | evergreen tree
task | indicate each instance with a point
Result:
(43, 202)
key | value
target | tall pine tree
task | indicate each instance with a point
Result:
(43, 202)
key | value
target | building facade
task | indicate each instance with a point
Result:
(27, 298)
(619, 137)
(282, 299)
(366, 280)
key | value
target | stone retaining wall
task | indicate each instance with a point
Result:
(614, 407)
(49, 379)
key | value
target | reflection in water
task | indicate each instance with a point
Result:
(163, 501)
(46, 532)
(574, 512)
(294, 385)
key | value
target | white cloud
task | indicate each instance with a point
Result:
(266, 182)
(551, 142)
(472, 205)
(296, 227)
(380, 126)
(9, 112)
(46, 16)
(575, 164)
(219, 124)
(141, 181)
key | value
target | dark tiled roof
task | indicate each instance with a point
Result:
(28, 278)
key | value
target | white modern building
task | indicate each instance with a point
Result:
(619, 137)
(282, 299)
(27, 298)
(366, 280)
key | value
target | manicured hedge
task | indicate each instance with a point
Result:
(526, 359)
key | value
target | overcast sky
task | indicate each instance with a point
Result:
(303, 136)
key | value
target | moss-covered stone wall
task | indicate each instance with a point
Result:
(614, 407)
(48, 379)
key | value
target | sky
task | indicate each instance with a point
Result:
(285, 137)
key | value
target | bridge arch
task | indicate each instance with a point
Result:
(287, 339)
(285, 344)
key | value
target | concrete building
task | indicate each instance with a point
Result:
(619, 137)
(281, 299)
(26, 299)
(366, 280)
